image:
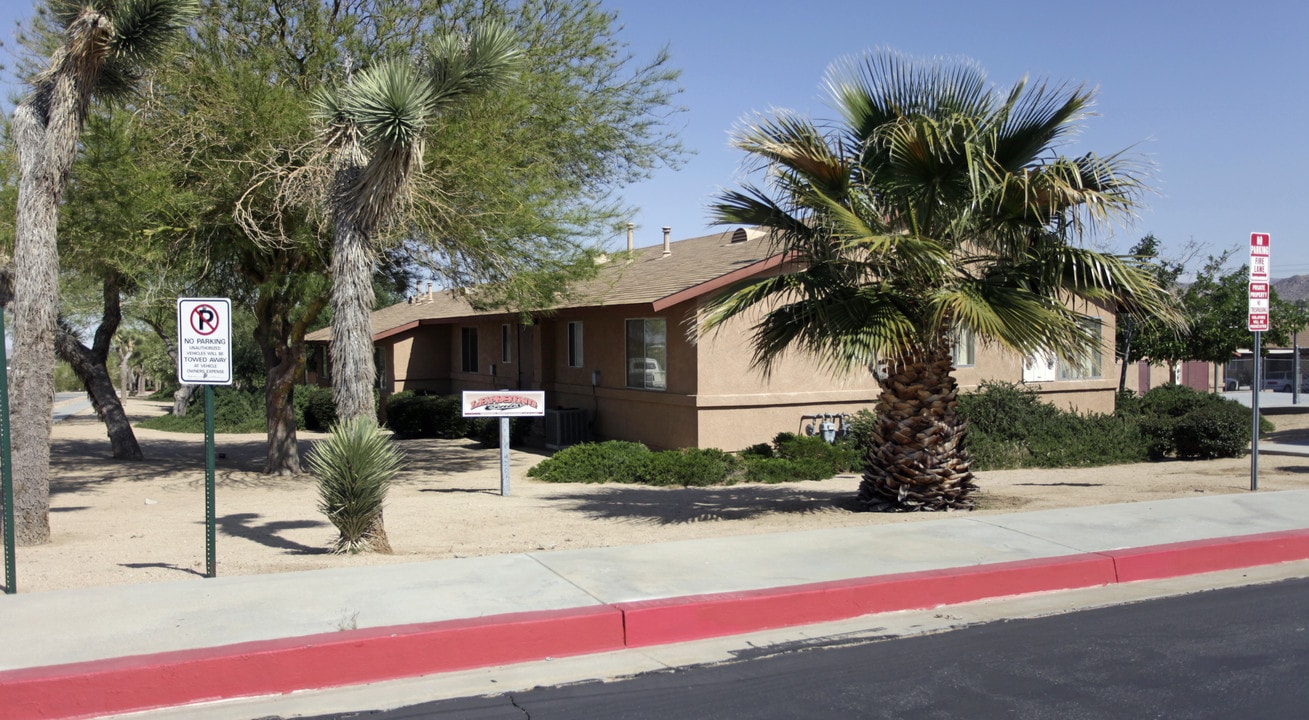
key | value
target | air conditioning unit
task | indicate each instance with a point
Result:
(564, 427)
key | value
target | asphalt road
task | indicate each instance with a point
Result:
(1233, 653)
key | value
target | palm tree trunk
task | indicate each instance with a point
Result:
(917, 459)
(351, 348)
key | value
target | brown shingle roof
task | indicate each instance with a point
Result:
(693, 267)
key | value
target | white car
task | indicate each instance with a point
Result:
(654, 375)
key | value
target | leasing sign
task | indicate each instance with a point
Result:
(504, 403)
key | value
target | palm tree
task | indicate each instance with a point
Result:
(104, 49)
(937, 206)
(376, 123)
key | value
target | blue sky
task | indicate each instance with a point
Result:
(1213, 95)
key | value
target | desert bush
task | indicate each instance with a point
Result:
(840, 457)
(354, 467)
(426, 416)
(1010, 427)
(314, 408)
(689, 467)
(610, 461)
(487, 431)
(779, 470)
(1185, 423)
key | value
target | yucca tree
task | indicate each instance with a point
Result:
(377, 123)
(105, 47)
(937, 205)
(355, 465)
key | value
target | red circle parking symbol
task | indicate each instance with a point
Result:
(204, 319)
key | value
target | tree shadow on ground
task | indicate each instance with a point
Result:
(674, 506)
(1061, 484)
(165, 566)
(243, 525)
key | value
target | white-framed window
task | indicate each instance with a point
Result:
(506, 344)
(468, 349)
(575, 344)
(1086, 367)
(647, 353)
(1048, 367)
(965, 348)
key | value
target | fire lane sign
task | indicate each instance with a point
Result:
(1260, 319)
(204, 341)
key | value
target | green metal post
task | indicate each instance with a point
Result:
(6, 472)
(211, 569)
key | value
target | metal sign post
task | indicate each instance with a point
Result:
(204, 357)
(6, 472)
(1260, 320)
(504, 404)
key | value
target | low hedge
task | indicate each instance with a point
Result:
(790, 458)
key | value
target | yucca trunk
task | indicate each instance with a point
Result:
(917, 459)
(351, 348)
(47, 144)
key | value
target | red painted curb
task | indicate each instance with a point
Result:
(119, 685)
(656, 622)
(100, 687)
(1202, 556)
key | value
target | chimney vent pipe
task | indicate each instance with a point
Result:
(668, 250)
(630, 227)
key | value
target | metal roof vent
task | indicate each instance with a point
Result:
(741, 235)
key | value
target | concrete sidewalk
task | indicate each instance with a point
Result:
(83, 653)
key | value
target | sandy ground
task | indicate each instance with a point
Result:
(136, 522)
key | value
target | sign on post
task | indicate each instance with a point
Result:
(204, 357)
(504, 404)
(204, 341)
(1260, 275)
(1261, 268)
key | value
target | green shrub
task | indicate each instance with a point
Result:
(690, 467)
(315, 408)
(611, 461)
(760, 450)
(842, 457)
(779, 470)
(487, 431)
(1185, 423)
(235, 411)
(1213, 431)
(354, 467)
(426, 416)
(1010, 427)
(860, 427)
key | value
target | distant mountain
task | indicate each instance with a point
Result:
(1292, 288)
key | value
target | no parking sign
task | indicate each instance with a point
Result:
(204, 341)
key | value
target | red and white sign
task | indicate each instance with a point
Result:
(204, 341)
(1260, 276)
(504, 403)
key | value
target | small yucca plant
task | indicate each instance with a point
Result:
(354, 467)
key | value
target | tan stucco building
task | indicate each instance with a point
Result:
(623, 359)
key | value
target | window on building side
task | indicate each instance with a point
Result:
(965, 351)
(647, 354)
(468, 349)
(575, 344)
(1088, 366)
(506, 344)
